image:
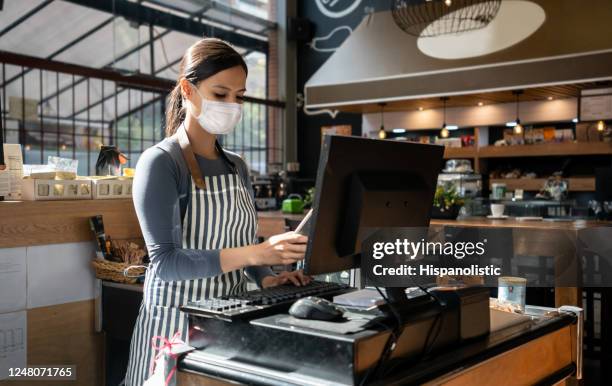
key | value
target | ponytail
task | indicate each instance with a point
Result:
(203, 59)
(174, 111)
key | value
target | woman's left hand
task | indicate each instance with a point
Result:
(296, 277)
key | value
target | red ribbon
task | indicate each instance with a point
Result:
(166, 344)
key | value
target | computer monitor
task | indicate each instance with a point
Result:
(367, 183)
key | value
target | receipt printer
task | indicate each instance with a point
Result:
(471, 307)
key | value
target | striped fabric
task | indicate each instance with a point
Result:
(221, 216)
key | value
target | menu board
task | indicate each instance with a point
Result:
(596, 107)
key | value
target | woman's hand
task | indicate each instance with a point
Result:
(283, 249)
(296, 277)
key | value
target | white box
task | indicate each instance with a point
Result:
(106, 188)
(44, 190)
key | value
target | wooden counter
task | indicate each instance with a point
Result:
(63, 332)
(27, 223)
(558, 239)
(542, 352)
(514, 223)
(276, 220)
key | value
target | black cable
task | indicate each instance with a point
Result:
(395, 332)
(438, 321)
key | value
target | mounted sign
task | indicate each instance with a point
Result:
(596, 104)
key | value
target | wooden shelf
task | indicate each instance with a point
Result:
(546, 149)
(576, 184)
(460, 152)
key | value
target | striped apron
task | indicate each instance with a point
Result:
(221, 216)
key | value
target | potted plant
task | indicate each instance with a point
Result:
(447, 202)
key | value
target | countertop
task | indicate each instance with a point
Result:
(510, 222)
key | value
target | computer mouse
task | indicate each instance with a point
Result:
(315, 308)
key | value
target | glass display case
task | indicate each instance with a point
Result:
(467, 185)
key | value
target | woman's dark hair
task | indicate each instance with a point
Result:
(203, 59)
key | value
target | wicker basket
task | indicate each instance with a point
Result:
(113, 271)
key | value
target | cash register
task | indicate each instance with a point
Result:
(361, 184)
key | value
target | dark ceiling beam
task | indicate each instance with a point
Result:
(266, 24)
(138, 81)
(148, 15)
(223, 7)
(63, 49)
(25, 16)
(120, 57)
(126, 54)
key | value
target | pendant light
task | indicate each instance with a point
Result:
(518, 128)
(444, 132)
(601, 126)
(382, 134)
(430, 18)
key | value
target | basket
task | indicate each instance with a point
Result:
(113, 271)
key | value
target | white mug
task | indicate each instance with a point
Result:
(497, 210)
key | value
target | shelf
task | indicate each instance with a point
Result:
(576, 184)
(546, 149)
(460, 152)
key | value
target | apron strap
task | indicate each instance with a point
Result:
(190, 159)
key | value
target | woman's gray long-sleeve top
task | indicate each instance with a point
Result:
(161, 194)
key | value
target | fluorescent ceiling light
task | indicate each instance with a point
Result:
(399, 131)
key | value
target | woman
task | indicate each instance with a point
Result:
(195, 206)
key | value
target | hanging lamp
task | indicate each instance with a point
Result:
(518, 128)
(601, 126)
(429, 18)
(382, 134)
(444, 133)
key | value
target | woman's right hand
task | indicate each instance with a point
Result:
(285, 248)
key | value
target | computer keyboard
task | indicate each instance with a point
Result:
(261, 302)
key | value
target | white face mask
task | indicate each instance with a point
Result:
(217, 117)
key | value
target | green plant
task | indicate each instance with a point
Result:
(446, 196)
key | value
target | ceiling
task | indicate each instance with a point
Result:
(144, 38)
(530, 94)
(379, 62)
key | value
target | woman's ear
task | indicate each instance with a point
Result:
(185, 88)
